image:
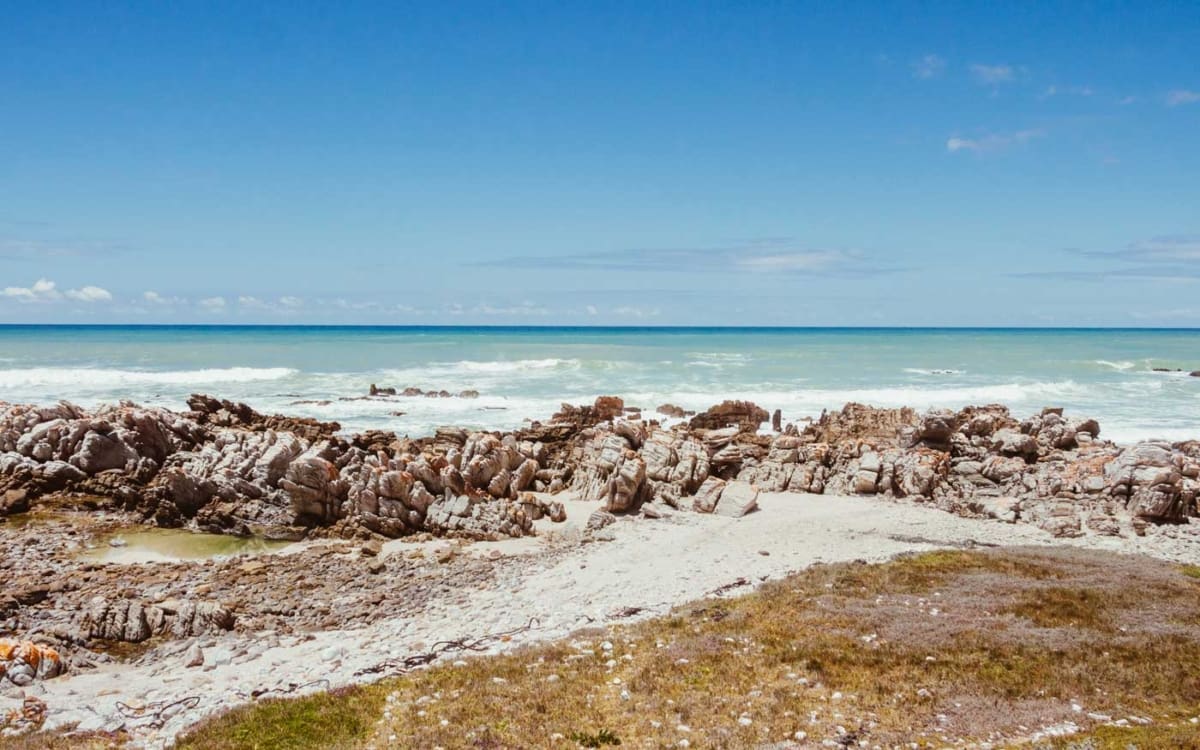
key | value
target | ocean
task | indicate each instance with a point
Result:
(526, 373)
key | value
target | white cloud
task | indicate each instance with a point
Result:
(343, 304)
(929, 66)
(524, 308)
(778, 254)
(213, 304)
(591, 310)
(17, 292)
(1054, 90)
(792, 261)
(154, 298)
(1171, 314)
(636, 312)
(90, 294)
(43, 290)
(1182, 96)
(992, 74)
(283, 305)
(992, 142)
(1170, 249)
(1127, 100)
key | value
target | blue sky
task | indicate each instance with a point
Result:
(605, 163)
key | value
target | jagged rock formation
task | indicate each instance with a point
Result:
(236, 471)
(1046, 470)
(134, 621)
(210, 411)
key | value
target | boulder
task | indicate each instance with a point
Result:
(737, 499)
(708, 495)
(745, 415)
(22, 662)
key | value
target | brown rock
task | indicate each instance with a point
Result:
(608, 407)
(747, 416)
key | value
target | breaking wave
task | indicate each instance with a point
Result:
(94, 377)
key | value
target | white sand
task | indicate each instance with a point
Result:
(652, 564)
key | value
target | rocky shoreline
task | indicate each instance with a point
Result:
(224, 468)
(69, 477)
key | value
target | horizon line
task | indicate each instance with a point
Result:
(646, 327)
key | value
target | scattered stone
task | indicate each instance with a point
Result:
(598, 520)
(194, 656)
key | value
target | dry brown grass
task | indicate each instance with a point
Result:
(932, 649)
(56, 740)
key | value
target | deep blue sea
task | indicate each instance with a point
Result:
(525, 373)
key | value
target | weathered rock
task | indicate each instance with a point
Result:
(234, 470)
(194, 656)
(210, 411)
(708, 495)
(22, 662)
(737, 499)
(860, 422)
(746, 416)
(671, 410)
(598, 520)
(134, 621)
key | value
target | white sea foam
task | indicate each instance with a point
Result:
(1121, 366)
(935, 371)
(92, 378)
(505, 366)
(809, 399)
(1124, 434)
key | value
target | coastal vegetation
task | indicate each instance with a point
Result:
(1005, 646)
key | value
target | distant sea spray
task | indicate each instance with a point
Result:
(527, 373)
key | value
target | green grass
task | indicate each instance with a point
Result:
(325, 720)
(1178, 736)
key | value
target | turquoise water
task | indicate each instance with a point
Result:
(527, 372)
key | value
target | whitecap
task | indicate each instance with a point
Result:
(101, 378)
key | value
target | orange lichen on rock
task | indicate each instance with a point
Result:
(23, 661)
